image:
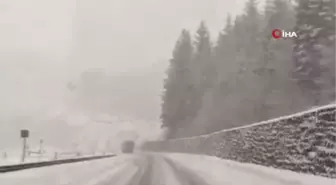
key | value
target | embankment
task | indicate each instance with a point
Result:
(303, 142)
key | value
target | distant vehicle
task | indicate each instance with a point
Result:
(127, 146)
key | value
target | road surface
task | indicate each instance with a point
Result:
(158, 169)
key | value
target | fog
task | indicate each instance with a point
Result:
(45, 44)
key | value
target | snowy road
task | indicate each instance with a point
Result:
(159, 169)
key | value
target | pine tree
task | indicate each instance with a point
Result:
(224, 48)
(177, 87)
(203, 58)
(224, 56)
(252, 21)
(269, 9)
(204, 77)
(226, 65)
(251, 12)
(279, 14)
(247, 37)
(327, 43)
(202, 67)
(251, 82)
(275, 59)
(316, 28)
(253, 63)
(222, 37)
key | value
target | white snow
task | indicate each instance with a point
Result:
(170, 177)
(216, 171)
(13, 155)
(101, 178)
(221, 172)
(81, 173)
(312, 154)
(14, 160)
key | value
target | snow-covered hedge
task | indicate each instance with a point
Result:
(303, 142)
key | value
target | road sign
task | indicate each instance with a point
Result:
(24, 136)
(24, 133)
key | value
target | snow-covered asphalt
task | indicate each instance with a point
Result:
(159, 169)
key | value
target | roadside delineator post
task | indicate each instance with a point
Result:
(55, 155)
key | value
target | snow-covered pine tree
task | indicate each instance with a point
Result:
(315, 27)
(177, 86)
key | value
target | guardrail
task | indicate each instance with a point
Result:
(17, 167)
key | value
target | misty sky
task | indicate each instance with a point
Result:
(131, 35)
(148, 28)
(136, 32)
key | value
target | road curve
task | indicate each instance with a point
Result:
(154, 169)
(126, 169)
(159, 169)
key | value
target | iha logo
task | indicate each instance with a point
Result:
(278, 34)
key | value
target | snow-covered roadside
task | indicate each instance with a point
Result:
(221, 172)
(13, 156)
(15, 160)
(71, 174)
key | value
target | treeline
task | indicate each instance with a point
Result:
(247, 76)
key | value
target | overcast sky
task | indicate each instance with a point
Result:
(134, 33)
(130, 35)
(146, 28)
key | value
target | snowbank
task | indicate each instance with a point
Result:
(219, 172)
